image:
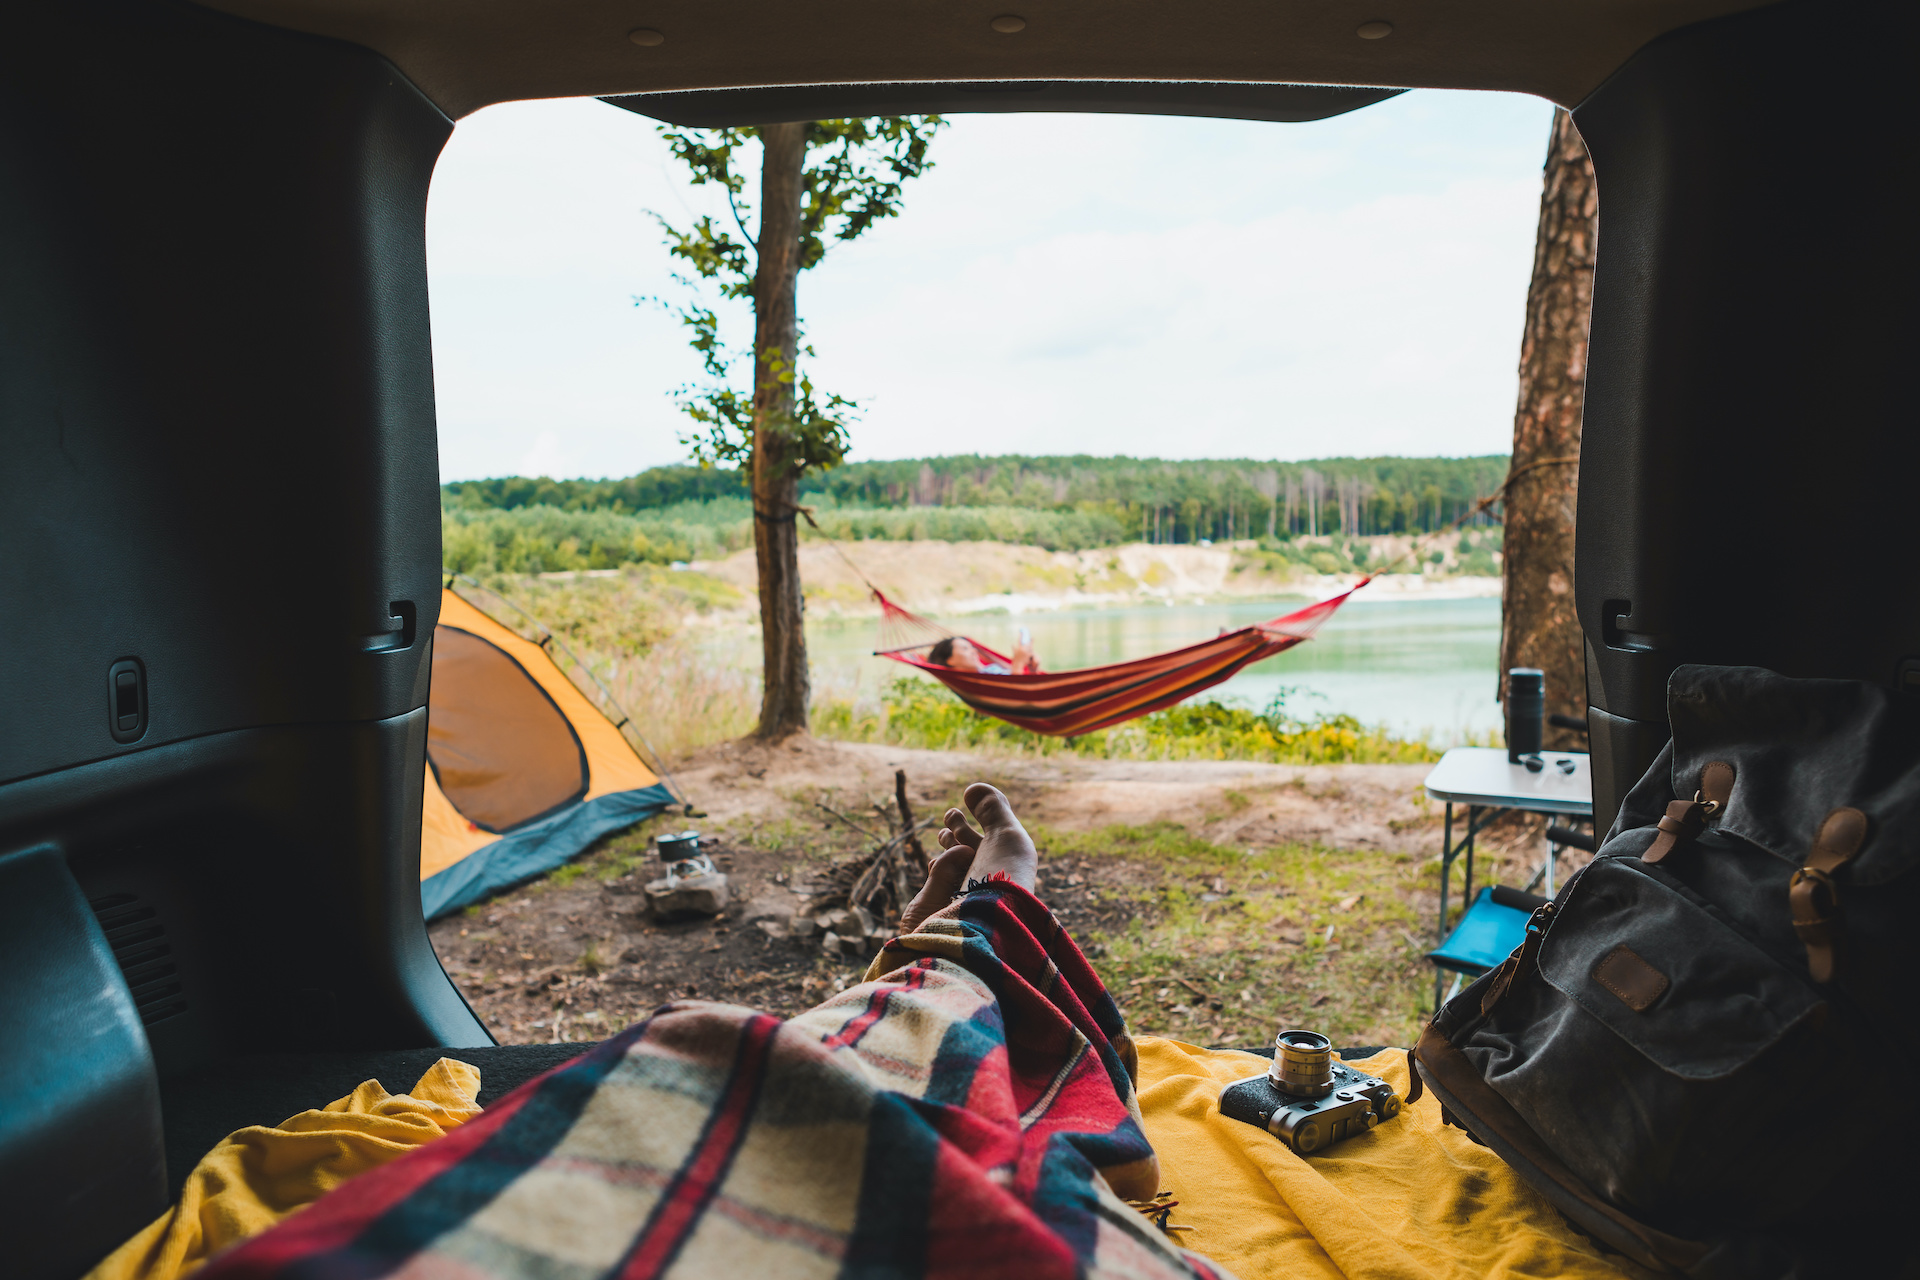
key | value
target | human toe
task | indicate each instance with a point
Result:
(991, 808)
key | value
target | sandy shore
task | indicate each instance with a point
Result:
(980, 577)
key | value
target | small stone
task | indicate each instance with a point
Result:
(864, 919)
(702, 895)
(803, 924)
(835, 947)
(775, 929)
(841, 921)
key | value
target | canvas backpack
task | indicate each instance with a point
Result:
(1704, 1053)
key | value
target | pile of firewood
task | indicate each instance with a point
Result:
(858, 907)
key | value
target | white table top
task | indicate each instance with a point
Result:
(1481, 775)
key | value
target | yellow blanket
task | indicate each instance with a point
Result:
(1413, 1198)
(258, 1176)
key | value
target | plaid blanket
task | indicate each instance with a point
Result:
(946, 1117)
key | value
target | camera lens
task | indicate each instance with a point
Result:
(1302, 1064)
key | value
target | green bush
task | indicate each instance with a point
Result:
(1479, 561)
(919, 713)
(543, 539)
(1054, 530)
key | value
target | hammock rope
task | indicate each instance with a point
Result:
(1070, 703)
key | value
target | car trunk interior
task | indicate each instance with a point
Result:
(214, 686)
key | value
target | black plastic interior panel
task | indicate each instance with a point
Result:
(716, 108)
(81, 1161)
(1622, 749)
(220, 511)
(1750, 445)
(216, 392)
(260, 888)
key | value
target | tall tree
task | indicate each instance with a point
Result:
(1539, 625)
(821, 182)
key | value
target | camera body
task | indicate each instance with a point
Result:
(1306, 1099)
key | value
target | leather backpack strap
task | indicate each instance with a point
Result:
(1525, 956)
(1683, 820)
(1812, 895)
(1686, 819)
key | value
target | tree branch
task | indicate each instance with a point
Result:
(740, 222)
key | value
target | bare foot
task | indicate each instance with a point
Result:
(1001, 846)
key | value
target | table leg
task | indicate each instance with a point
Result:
(1466, 883)
(1446, 869)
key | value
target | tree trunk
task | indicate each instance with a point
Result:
(776, 482)
(1539, 626)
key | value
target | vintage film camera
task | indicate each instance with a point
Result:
(1306, 1099)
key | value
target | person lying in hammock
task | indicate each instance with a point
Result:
(959, 653)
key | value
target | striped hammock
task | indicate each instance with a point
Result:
(1069, 703)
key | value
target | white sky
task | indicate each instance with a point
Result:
(1057, 284)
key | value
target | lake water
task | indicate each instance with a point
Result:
(1425, 668)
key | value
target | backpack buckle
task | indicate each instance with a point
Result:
(1814, 898)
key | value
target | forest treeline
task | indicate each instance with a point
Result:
(1092, 501)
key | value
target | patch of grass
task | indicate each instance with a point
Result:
(1224, 945)
(781, 834)
(610, 857)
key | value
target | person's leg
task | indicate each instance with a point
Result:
(1001, 846)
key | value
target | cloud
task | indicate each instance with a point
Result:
(1056, 284)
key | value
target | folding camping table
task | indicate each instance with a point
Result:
(1482, 780)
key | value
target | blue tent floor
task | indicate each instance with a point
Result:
(534, 850)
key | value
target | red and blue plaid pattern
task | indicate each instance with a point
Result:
(944, 1119)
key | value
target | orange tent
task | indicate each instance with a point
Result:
(523, 770)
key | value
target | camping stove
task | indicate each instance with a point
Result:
(681, 858)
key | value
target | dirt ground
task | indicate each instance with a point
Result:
(1218, 899)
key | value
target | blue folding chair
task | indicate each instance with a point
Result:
(1492, 927)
